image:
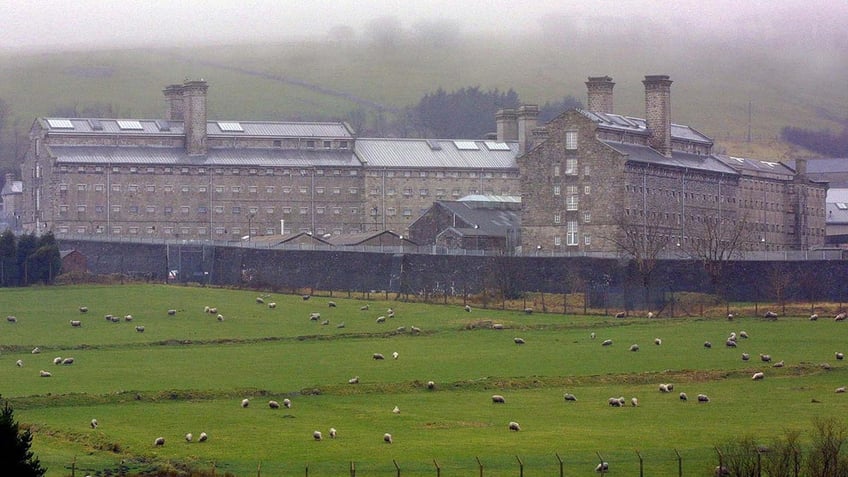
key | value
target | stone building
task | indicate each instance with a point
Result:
(476, 222)
(592, 179)
(186, 177)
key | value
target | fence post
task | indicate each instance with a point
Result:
(520, 466)
(352, 469)
(560, 464)
(680, 464)
(641, 464)
(397, 467)
(759, 463)
(720, 472)
(603, 468)
(480, 465)
(307, 470)
(439, 469)
(259, 469)
(74, 466)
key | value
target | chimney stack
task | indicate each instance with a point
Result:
(527, 116)
(800, 168)
(194, 103)
(507, 125)
(174, 97)
(599, 93)
(658, 112)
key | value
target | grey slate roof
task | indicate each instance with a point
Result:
(214, 156)
(638, 125)
(175, 128)
(756, 165)
(824, 166)
(646, 154)
(489, 221)
(837, 213)
(436, 153)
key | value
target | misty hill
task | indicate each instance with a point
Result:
(716, 80)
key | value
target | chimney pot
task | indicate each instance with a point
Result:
(599, 94)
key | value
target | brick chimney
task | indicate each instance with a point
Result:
(800, 168)
(527, 116)
(174, 97)
(658, 112)
(194, 102)
(599, 93)
(507, 125)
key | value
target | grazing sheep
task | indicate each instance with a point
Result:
(732, 336)
(68, 361)
(657, 341)
(272, 305)
(332, 433)
(305, 297)
(664, 388)
(387, 438)
(518, 341)
(377, 356)
(396, 410)
(770, 315)
(606, 343)
(128, 317)
(260, 300)
(569, 397)
(93, 423)
(468, 308)
(528, 311)
(139, 328)
(317, 435)
(19, 363)
(513, 426)
(730, 317)
(839, 356)
(57, 360)
(498, 399)
(431, 385)
(730, 343)
(840, 317)
(634, 402)
(159, 442)
(340, 325)
(779, 364)
(615, 402)
(650, 314)
(245, 402)
(287, 403)
(115, 319)
(36, 350)
(314, 316)
(765, 358)
(497, 326)
(203, 437)
(670, 386)
(620, 314)
(83, 309)
(76, 323)
(743, 334)
(684, 397)
(381, 319)
(825, 366)
(325, 322)
(364, 308)
(353, 380)
(721, 471)
(758, 376)
(395, 355)
(814, 317)
(592, 335)
(708, 345)
(220, 317)
(400, 329)
(414, 329)
(44, 374)
(602, 467)
(213, 310)
(172, 312)
(189, 437)
(703, 398)
(273, 404)
(840, 389)
(746, 356)
(12, 319)
(206, 309)
(634, 347)
(331, 304)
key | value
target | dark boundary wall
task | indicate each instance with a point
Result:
(615, 282)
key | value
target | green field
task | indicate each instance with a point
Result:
(189, 373)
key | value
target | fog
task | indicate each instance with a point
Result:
(88, 24)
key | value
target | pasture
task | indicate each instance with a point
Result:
(189, 372)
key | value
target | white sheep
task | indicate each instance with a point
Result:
(19, 363)
(272, 305)
(602, 467)
(57, 360)
(650, 314)
(708, 345)
(765, 358)
(468, 308)
(220, 317)
(592, 335)
(395, 355)
(172, 312)
(203, 437)
(305, 297)
(331, 304)
(498, 399)
(139, 328)
(128, 317)
(213, 310)
(634, 347)
(353, 380)
(518, 341)
(245, 402)
(703, 398)
(332, 433)
(68, 361)
(513, 426)
(779, 364)
(44, 374)
(83, 309)
(287, 403)
(36, 350)
(12, 319)
(317, 435)
(730, 343)
(381, 319)
(377, 356)
(840, 317)
(664, 388)
(620, 314)
(497, 326)
(396, 410)
(758, 376)
(840, 389)
(93, 424)
(340, 325)
(684, 397)
(314, 316)
(614, 402)
(839, 356)
(569, 397)
(606, 343)
(273, 404)
(159, 442)
(189, 437)
(814, 317)
(634, 402)
(657, 341)
(746, 356)
(770, 315)
(431, 385)
(387, 438)
(414, 329)
(206, 309)
(259, 300)
(743, 334)
(364, 308)
(528, 311)
(76, 323)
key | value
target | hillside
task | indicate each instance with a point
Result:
(714, 82)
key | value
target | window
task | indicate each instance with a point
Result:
(310, 144)
(571, 233)
(185, 210)
(202, 210)
(571, 140)
(586, 171)
(185, 188)
(337, 210)
(252, 210)
(150, 188)
(132, 188)
(116, 187)
(286, 210)
(390, 191)
(587, 217)
(319, 190)
(556, 190)
(81, 208)
(236, 210)
(328, 144)
(407, 192)
(342, 144)
(391, 211)
(133, 230)
(269, 210)
(319, 210)
(571, 200)
(269, 189)
(168, 210)
(252, 189)
(337, 190)
(353, 190)
(81, 187)
(571, 166)
(150, 209)
(219, 209)
(201, 189)
(99, 188)
(423, 192)
(219, 189)
(587, 190)
(407, 212)
(99, 209)
(169, 188)
(116, 208)
(587, 239)
(557, 218)
(235, 189)
(557, 241)
(304, 210)
(286, 190)
(556, 170)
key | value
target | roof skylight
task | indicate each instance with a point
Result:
(60, 123)
(129, 125)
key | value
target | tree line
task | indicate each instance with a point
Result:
(822, 141)
(28, 259)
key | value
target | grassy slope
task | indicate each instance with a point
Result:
(265, 354)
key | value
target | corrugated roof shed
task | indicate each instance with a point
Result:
(489, 221)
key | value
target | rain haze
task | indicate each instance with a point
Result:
(88, 24)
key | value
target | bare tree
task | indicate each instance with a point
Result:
(643, 239)
(714, 240)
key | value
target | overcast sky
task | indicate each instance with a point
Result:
(40, 24)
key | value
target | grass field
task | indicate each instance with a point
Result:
(189, 373)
